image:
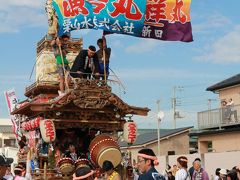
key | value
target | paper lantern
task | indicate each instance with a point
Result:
(47, 130)
(28, 126)
(130, 132)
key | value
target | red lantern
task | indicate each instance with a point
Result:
(47, 129)
(34, 123)
(130, 132)
(37, 121)
(31, 124)
(24, 126)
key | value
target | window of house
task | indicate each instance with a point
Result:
(171, 152)
(10, 142)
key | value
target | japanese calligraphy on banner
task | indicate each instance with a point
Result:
(158, 19)
(12, 102)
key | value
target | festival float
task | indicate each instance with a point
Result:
(89, 104)
(89, 114)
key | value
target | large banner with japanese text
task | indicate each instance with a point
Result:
(158, 19)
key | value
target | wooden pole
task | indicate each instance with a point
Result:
(104, 60)
(104, 65)
(64, 70)
(45, 171)
(29, 157)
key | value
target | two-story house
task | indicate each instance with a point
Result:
(219, 129)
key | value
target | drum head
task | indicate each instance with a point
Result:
(112, 154)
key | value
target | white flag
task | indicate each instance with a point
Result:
(12, 102)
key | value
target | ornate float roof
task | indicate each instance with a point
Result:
(86, 103)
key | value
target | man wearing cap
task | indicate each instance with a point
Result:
(4, 163)
(146, 162)
(223, 173)
(86, 64)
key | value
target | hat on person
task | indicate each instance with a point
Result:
(18, 168)
(223, 171)
(92, 48)
(4, 161)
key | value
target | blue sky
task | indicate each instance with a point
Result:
(149, 69)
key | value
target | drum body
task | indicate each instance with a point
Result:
(81, 163)
(66, 166)
(102, 148)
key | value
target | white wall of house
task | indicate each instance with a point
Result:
(231, 92)
(4, 122)
(3, 136)
(11, 153)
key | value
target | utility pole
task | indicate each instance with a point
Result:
(210, 103)
(210, 110)
(174, 104)
(158, 129)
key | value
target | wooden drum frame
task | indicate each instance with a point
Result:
(66, 166)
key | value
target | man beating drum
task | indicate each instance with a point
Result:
(84, 173)
(110, 173)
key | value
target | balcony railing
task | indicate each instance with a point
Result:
(218, 118)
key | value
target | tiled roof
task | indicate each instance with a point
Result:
(149, 137)
(232, 81)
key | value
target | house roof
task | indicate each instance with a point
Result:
(213, 132)
(232, 81)
(150, 137)
(6, 129)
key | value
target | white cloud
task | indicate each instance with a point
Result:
(224, 50)
(21, 3)
(160, 73)
(13, 80)
(143, 46)
(13, 77)
(210, 22)
(117, 44)
(15, 14)
(150, 121)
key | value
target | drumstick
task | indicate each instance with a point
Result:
(45, 171)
